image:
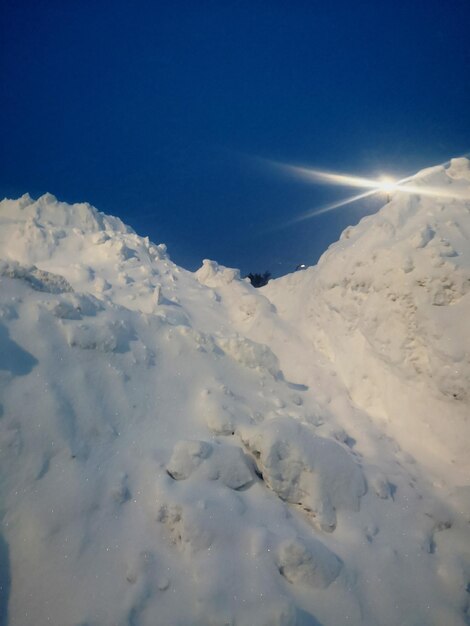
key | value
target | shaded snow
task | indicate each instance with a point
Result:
(181, 448)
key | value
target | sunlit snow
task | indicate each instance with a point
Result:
(179, 448)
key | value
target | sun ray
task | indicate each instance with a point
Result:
(331, 207)
(384, 185)
(330, 178)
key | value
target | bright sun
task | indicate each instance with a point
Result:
(386, 184)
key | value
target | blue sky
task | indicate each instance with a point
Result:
(151, 111)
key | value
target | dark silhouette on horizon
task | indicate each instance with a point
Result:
(259, 280)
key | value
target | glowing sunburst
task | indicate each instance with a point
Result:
(383, 185)
(387, 184)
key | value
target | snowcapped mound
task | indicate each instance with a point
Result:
(389, 306)
(94, 252)
(175, 451)
(126, 486)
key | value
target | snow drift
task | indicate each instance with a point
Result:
(180, 448)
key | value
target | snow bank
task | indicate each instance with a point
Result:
(178, 449)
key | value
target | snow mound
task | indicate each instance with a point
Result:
(387, 306)
(212, 274)
(175, 445)
(90, 251)
(302, 468)
(48, 214)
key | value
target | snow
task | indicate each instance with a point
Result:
(313, 567)
(395, 293)
(304, 469)
(181, 448)
(224, 463)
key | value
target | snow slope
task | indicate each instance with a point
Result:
(180, 448)
(389, 305)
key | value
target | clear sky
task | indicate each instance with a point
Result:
(152, 110)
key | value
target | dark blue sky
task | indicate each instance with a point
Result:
(146, 110)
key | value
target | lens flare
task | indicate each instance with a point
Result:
(412, 185)
(387, 184)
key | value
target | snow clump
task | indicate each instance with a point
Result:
(221, 462)
(302, 468)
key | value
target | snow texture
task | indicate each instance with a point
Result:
(180, 448)
(304, 469)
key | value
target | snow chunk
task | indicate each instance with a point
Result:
(225, 463)
(186, 458)
(35, 278)
(219, 420)
(313, 566)
(250, 354)
(304, 469)
(158, 251)
(459, 168)
(212, 274)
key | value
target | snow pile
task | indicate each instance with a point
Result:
(214, 275)
(388, 305)
(177, 449)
